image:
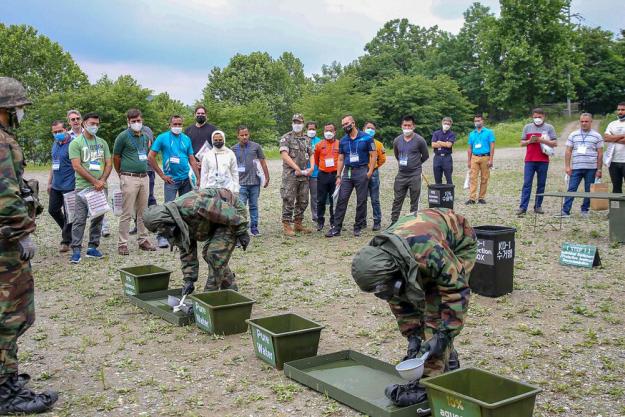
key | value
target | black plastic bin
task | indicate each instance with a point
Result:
(441, 195)
(494, 265)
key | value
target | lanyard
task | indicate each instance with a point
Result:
(350, 145)
(581, 132)
(55, 155)
(244, 152)
(134, 141)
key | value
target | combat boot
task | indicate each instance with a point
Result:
(299, 227)
(15, 398)
(287, 230)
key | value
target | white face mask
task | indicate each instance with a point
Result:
(538, 121)
(92, 129)
(446, 127)
(137, 126)
(311, 133)
(328, 135)
(297, 127)
(176, 130)
(19, 113)
(408, 132)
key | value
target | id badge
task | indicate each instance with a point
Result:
(478, 145)
(403, 161)
(174, 160)
(241, 168)
(353, 158)
(56, 165)
(143, 156)
(329, 162)
(94, 166)
(581, 149)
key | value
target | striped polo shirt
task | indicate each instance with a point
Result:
(585, 147)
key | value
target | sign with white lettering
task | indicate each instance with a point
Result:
(485, 252)
(263, 346)
(202, 317)
(129, 285)
(585, 256)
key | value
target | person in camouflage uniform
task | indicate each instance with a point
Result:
(211, 215)
(17, 221)
(421, 266)
(296, 154)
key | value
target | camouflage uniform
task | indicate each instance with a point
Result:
(214, 216)
(17, 306)
(294, 189)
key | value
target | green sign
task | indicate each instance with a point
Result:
(202, 317)
(585, 256)
(263, 346)
(129, 285)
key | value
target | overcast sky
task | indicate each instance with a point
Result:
(171, 45)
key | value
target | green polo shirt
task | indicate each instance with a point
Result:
(130, 147)
(93, 154)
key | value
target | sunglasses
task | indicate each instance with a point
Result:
(75, 119)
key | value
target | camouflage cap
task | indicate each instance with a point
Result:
(298, 117)
(12, 93)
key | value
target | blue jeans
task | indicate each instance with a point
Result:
(178, 187)
(374, 194)
(576, 177)
(531, 168)
(249, 194)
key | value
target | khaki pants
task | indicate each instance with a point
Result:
(135, 191)
(479, 165)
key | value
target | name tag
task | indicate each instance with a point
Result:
(329, 162)
(143, 156)
(174, 160)
(403, 161)
(56, 165)
(478, 145)
(241, 168)
(581, 149)
(94, 166)
(353, 158)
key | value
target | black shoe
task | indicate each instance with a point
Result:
(481, 201)
(407, 394)
(333, 232)
(470, 202)
(15, 398)
(376, 227)
(357, 233)
(520, 212)
(320, 227)
(454, 362)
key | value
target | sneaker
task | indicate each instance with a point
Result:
(481, 201)
(585, 213)
(75, 257)
(63, 248)
(162, 242)
(94, 253)
(357, 233)
(376, 227)
(539, 210)
(468, 202)
(333, 232)
(521, 212)
(563, 215)
(254, 231)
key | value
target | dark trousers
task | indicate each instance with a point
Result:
(531, 168)
(403, 184)
(151, 199)
(57, 211)
(617, 175)
(443, 164)
(374, 195)
(326, 184)
(588, 175)
(353, 178)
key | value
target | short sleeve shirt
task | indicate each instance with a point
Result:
(245, 162)
(534, 152)
(298, 149)
(200, 135)
(133, 151)
(356, 151)
(585, 146)
(480, 141)
(176, 151)
(313, 142)
(93, 154)
(617, 127)
(440, 136)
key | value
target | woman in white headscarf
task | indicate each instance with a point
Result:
(219, 165)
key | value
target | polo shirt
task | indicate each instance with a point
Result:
(325, 150)
(173, 146)
(130, 147)
(89, 150)
(313, 142)
(63, 178)
(617, 127)
(440, 136)
(534, 152)
(245, 162)
(361, 146)
(480, 141)
(591, 141)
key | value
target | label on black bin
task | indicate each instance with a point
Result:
(505, 250)
(485, 252)
(434, 197)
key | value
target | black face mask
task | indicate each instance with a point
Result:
(621, 117)
(168, 231)
(348, 129)
(218, 145)
(200, 119)
(389, 289)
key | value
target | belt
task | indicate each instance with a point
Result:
(442, 154)
(134, 174)
(357, 166)
(481, 154)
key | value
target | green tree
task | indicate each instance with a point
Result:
(256, 114)
(40, 64)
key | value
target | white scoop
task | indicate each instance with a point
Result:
(412, 369)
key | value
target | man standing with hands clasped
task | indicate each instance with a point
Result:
(480, 159)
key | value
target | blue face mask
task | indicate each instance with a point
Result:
(370, 132)
(59, 136)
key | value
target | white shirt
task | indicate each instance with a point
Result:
(219, 169)
(617, 127)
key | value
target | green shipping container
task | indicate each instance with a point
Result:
(144, 278)
(472, 392)
(222, 312)
(284, 338)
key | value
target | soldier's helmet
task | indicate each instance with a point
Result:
(12, 93)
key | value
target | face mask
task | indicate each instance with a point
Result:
(621, 117)
(328, 135)
(137, 126)
(19, 113)
(446, 127)
(347, 129)
(311, 133)
(370, 132)
(59, 136)
(200, 119)
(538, 121)
(218, 145)
(478, 125)
(176, 130)
(92, 129)
(407, 132)
(297, 127)
(389, 289)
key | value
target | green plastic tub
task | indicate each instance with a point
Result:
(471, 392)
(144, 278)
(284, 338)
(222, 312)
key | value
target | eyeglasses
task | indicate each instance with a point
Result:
(75, 119)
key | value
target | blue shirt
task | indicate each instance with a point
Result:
(63, 179)
(361, 146)
(440, 136)
(314, 141)
(174, 147)
(480, 141)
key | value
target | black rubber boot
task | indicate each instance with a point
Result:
(414, 346)
(407, 394)
(15, 398)
(454, 362)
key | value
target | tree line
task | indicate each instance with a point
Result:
(533, 53)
